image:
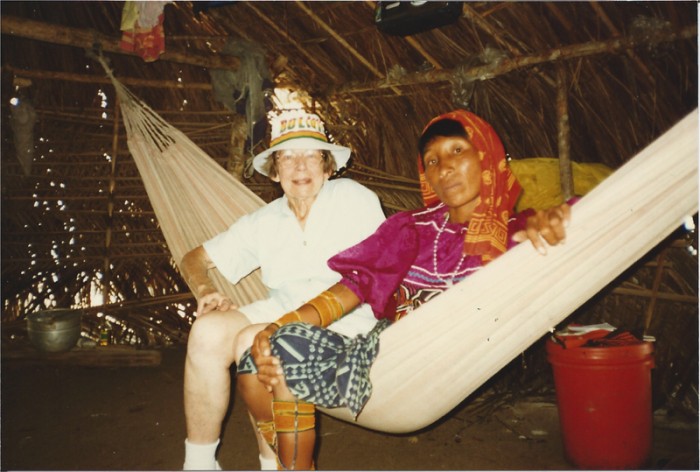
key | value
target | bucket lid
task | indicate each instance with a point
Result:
(629, 351)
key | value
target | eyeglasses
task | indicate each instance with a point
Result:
(290, 158)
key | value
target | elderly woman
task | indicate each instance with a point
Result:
(414, 256)
(290, 240)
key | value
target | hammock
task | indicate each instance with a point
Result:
(430, 361)
(193, 197)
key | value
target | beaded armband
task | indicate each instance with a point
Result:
(328, 307)
(290, 317)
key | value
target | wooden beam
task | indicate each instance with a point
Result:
(486, 72)
(74, 198)
(99, 79)
(81, 232)
(83, 258)
(129, 246)
(88, 39)
(672, 297)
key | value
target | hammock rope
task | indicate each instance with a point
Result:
(432, 360)
(193, 197)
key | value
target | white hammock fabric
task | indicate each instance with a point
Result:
(430, 361)
(433, 359)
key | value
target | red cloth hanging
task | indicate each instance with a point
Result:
(142, 29)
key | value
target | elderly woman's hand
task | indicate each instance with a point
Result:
(546, 226)
(269, 369)
(210, 300)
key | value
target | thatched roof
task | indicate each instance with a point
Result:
(589, 82)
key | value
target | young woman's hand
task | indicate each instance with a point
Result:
(546, 226)
(269, 369)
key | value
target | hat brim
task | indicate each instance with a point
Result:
(341, 154)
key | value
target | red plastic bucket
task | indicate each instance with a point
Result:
(604, 403)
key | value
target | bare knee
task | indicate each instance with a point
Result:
(213, 336)
(245, 338)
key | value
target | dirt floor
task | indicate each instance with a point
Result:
(67, 417)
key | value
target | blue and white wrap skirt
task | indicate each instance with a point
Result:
(323, 367)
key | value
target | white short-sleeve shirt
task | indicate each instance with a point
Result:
(293, 261)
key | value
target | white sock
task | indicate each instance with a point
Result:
(267, 464)
(200, 456)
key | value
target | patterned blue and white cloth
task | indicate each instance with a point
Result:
(323, 367)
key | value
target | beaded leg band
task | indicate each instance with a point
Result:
(267, 431)
(292, 417)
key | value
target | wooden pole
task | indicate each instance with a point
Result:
(106, 269)
(237, 159)
(88, 39)
(566, 176)
(97, 79)
(656, 284)
(489, 71)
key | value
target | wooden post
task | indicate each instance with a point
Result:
(656, 284)
(107, 271)
(566, 177)
(237, 158)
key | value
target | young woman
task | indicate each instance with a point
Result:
(414, 256)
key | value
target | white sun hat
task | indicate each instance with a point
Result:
(298, 129)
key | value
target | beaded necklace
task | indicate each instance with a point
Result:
(448, 282)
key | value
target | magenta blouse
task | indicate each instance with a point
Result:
(411, 258)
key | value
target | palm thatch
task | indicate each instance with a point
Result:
(586, 82)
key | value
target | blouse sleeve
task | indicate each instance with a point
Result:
(374, 268)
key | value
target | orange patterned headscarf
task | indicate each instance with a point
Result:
(488, 229)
